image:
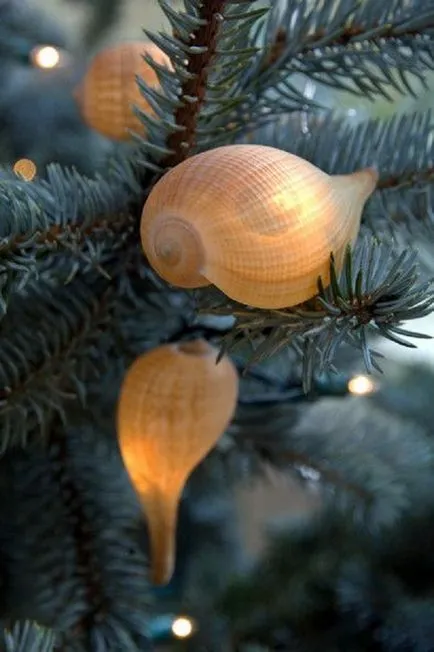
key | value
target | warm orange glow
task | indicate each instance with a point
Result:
(175, 404)
(109, 90)
(259, 223)
(25, 168)
(361, 385)
(46, 56)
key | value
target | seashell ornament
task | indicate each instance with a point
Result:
(256, 222)
(174, 405)
(109, 90)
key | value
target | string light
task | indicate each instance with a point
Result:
(46, 56)
(361, 385)
(182, 627)
(25, 168)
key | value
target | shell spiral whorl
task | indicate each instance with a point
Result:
(176, 247)
(256, 222)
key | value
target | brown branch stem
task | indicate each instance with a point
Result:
(96, 602)
(407, 180)
(68, 349)
(56, 234)
(205, 39)
(349, 33)
(344, 38)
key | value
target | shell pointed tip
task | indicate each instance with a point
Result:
(367, 180)
(161, 577)
(373, 171)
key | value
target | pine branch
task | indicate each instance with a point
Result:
(28, 637)
(367, 48)
(378, 289)
(308, 469)
(66, 212)
(82, 531)
(203, 40)
(260, 436)
(35, 537)
(61, 336)
(272, 400)
(103, 512)
(373, 478)
(197, 99)
(50, 338)
(70, 528)
(325, 585)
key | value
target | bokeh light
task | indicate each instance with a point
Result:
(182, 627)
(361, 385)
(25, 168)
(46, 56)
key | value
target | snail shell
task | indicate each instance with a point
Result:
(256, 222)
(174, 405)
(109, 89)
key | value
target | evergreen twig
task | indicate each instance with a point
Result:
(200, 98)
(28, 637)
(79, 301)
(201, 45)
(350, 53)
(377, 290)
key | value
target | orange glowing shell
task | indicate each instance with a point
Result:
(109, 89)
(175, 404)
(256, 222)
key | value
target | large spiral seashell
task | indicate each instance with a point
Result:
(109, 90)
(256, 222)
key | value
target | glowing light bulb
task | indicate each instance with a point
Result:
(25, 168)
(46, 56)
(361, 385)
(182, 627)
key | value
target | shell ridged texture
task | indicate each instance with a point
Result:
(109, 89)
(175, 404)
(257, 222)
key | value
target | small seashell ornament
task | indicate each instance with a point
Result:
(256, 222)
(174, 405)
(109, 89)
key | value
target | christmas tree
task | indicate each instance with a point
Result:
(187, 298)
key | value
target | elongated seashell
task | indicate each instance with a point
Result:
(256, 222)
(175, 404)
(109, 90)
